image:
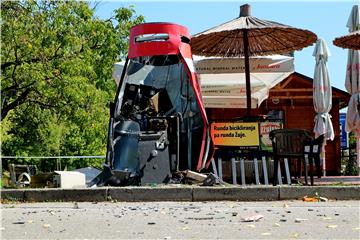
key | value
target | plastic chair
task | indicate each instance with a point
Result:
(314, 156)
(289, 144)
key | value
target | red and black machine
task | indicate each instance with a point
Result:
(158, 123)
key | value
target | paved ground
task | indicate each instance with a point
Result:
(353, 180)
(181, 220)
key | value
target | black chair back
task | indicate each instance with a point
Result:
(288, 143)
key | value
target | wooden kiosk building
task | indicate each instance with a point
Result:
(293, 98)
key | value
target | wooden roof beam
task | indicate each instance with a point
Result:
(297, 97)
(292, 90)
(286, 82)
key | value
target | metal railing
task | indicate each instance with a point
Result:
(21, 159)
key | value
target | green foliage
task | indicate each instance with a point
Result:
(349, 162)
(352, 140)
(56, 86)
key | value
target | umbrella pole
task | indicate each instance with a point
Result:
(247, 72)
(358, 154)
(323, 159)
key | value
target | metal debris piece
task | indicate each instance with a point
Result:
(211, 180)
(194, 175)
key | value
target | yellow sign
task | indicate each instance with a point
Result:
(235, 134)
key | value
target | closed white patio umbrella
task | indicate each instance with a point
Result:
(352, 82)
(322, 95)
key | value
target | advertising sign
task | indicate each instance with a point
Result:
(235, 134)
(265, 129)
(344, 134)
(213, 65)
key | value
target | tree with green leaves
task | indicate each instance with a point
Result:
(56, 66)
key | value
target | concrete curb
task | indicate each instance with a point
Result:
(13, 194)
(182, 193)
(138, 194)
(263, 193)
(55, 195)
(330, 192)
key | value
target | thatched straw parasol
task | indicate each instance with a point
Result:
(249, 36)
(352, 41)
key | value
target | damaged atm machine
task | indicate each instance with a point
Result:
(158, 123)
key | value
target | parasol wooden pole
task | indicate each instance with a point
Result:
(245, 11)
(358, 154)
(247, 72)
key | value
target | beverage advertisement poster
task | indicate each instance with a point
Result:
(265, 129)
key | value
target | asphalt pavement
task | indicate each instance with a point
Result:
(181, 220)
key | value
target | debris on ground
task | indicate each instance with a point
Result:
(89, 172)
(323, 199)
(316, 198)
(46, 225)
(76, 205)
(177, 178)
(185, 228)
(299, 220)
(191, 177)
(252, 218)
(200, 218)
(211, 180)
(310, 199)
(251, 226)
(294, 235)
(20, 222)
(199, 177)
(266, 234)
